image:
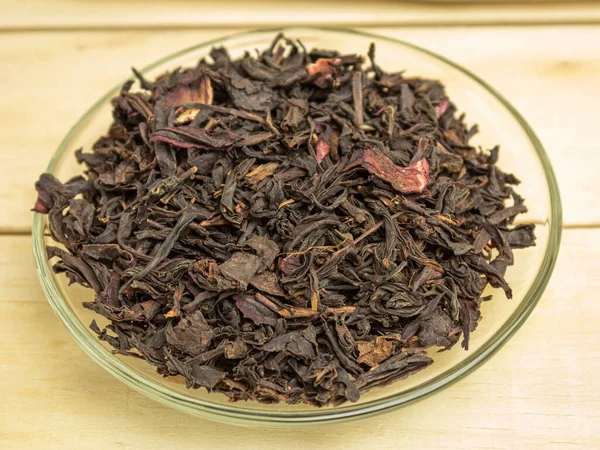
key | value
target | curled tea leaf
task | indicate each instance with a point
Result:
(207, 376)
(192, 335)
(261, 172)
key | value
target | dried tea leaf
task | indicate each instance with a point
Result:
(298, 344)
(187, 116)
(261, 172)
(295, 113)
(205, 94)
(255, 311)
(207, 376)
(235, 350)
(140, 312)
(190, 137)
(192, 335)
(241, 267)
(435, 331)
(374, 352)
(265, 248)
(248, 94)
(267, 282)
(395, 368)
(451, 136)
(110, 252)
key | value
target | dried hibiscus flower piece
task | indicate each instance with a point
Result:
(407, 180)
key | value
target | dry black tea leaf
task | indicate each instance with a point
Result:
(294, 226)
(374, 352)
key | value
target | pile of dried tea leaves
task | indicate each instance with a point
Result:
(296, 226)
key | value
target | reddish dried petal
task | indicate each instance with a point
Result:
(326, 68)
(205, 91)
(408, 180)
(41, 207)
(323, 65)
(184, 95)
(322, 150)
(441, 108)
(46, 186)
(200, 92)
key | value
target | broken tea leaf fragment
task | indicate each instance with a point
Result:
(241, 267)
(207, 376)
(374, 352)
(267, 282)
(255, 311)
(261, 172)
(192, 335)
(266, 249)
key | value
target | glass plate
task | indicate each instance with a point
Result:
(521, 153)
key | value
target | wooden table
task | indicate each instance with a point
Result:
(540, 391)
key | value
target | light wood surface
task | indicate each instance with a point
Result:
(540, 391)
(76, 14)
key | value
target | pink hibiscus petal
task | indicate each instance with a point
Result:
(408, 180)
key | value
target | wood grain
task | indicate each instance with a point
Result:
(40, 14)
(51, 78)
(540, 391)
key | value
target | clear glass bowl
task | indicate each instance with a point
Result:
(521, 153)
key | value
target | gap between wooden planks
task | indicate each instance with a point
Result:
(51, 79)
(539, 391)
(73, 14)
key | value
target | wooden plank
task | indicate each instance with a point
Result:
(38, 14)
(539, 391)
(52, 78)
